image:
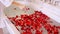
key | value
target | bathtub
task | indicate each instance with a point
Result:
(45, 8)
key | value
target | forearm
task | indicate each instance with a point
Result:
(21, 6)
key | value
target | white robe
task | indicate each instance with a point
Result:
(3, 4)
(6, 2)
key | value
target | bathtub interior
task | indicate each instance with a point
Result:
(12, 11)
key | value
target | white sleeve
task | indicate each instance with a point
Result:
(6, 2)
